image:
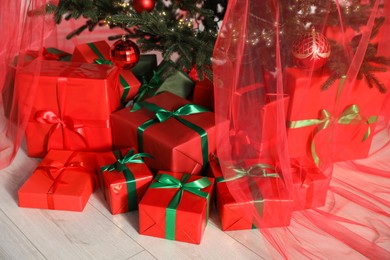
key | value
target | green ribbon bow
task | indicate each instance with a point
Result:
(120, 166)
(102, 60)
(194, 187)
(163, 115)
(350, 114)
(261, 170)
(148, 88)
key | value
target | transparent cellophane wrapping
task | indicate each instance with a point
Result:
(27, 29)
(260, 98)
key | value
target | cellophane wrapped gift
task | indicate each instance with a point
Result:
(124, 179)
(99, 53)
(177, 134)
(71, 106)
(64, 180)
(176, 207)
(334, 71)
(267, 195)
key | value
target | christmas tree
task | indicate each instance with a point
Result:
(185, 29)
(189, 29)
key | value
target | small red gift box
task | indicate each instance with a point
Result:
(204, 94)
(266, 197)
(344, 138)
(64, 180)
(71, 108)
(176, 207)
(99, 52)
(178, 135)
(310, 185)
(125, 178)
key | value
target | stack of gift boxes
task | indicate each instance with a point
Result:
(135, 134)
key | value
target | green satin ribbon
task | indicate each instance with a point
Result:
(102, 60)
(162, 115)
(148, 88)
(194, 187)
(261, 170)
(349, 115)
(120, 166)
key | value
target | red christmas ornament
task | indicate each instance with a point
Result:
(311, 50)
(143, 5)
(124, 53)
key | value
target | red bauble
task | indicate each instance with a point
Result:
(124, 54)
(143, 5)
(311, 50)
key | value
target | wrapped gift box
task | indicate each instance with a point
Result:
(71, 108)
(204, 94)
(99, 52)
(176, 207)
(64, 180)
(181, 143)
(125, 178)
(343, 139)
(310, 185)
(266, 195)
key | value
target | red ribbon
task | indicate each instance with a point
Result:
(54, 172)
(49, 117)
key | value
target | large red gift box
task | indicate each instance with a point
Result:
(125, 178)
(343, 139)
(179, 143)
(266, 195)
(71, 107)
(310, 185)
(176, 207)
(64, 180)
(99, 52)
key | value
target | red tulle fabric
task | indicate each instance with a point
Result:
(252, 105)
(253, 128)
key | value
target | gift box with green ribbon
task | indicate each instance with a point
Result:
(99, 53)
(166, 78)
(71, 107)
(263, 199)
(179, 135)
(64, 180)
(176, 207)
(124, 179)
(316, 130)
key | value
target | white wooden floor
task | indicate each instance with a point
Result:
(96, 234)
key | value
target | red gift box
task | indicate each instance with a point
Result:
(125, 179)
(71, 108)
(310, 185)
(64, 180)
(204, 94)
(266, 195)
(99, 52)
(179, 144)
(176, 207)
(259, 138)
(343, 139)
